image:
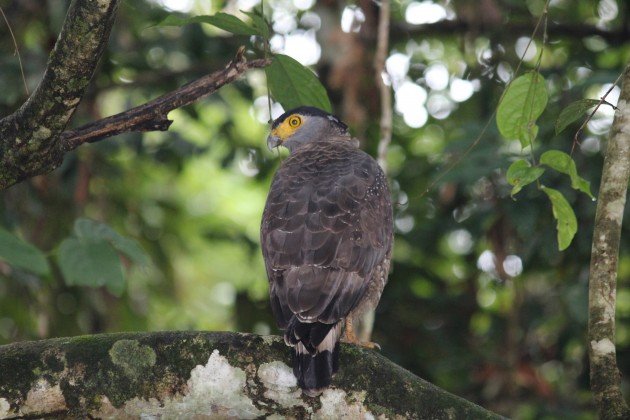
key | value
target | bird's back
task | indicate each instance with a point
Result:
(326, 229)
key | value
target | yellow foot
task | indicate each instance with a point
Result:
(351, 338)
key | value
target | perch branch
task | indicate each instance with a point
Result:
(153, 115)
(29, 138)
(205, 375)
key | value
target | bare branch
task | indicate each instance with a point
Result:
(382, 48)
(605, 378)
(29, 138)
(33, 141)
(153, 115)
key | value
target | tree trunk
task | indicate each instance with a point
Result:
(605, 379)
(205, 374)
(29, 138)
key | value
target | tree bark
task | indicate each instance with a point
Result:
(29, 138)
(205, 374)
(153, 115)
(605, 377)
(33, 141)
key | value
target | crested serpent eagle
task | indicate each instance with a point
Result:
(326, 238)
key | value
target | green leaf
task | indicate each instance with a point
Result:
(294, 85)
(524, 101)
(21, 254)
(221, 20)
(90, 230)
(563, 163)
(520, 173)
(92, 263)
(572, 112)
(259, 23)
(563, 213)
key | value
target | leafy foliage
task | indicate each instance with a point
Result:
(290, 83)
(563, 213)
(259, 23)
(572, 112)
(524, 101)
(90, 258)
(520, 173)
(294, 85)
(91, 230)
(225, 21)
(563, 163)
(22, 254)
(91, 262)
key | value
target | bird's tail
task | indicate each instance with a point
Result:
(316, 357)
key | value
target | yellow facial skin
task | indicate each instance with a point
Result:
(288, 127)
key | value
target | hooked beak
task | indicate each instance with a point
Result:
(273, 141)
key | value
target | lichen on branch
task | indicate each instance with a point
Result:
(29, 138)
(188, 374)
(32, 139)
(605, 376)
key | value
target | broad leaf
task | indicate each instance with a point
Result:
(90, 263)
(227, 22)
(521, 106)
(572, 112)
(563, 163)
(21, 254)
(520, 173)
(259, 23)
(563, 213)
(90, 230)
(294, 85)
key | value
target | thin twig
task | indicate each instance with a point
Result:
(602, 100)
(153, 115)
(267, 53)
(382, 48)
(494, 113)
(17, 51)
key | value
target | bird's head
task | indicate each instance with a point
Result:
(304, 125)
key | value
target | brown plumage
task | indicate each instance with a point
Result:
(326, 237)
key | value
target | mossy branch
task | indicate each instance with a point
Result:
(193, 374)
(33, 141)
(29, 138)
(605, 377)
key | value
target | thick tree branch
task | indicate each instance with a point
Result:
(29, 138)
(205, 375)
(605, 378)
(153, 115)
(33, 141)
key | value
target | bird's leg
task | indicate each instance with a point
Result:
(351, 337)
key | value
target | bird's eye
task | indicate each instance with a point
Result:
(295, 121)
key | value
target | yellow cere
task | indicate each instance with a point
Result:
(287, 127)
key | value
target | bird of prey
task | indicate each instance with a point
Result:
(326, 238)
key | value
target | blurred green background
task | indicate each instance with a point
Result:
(479, 302)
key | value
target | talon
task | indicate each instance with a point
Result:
(351, 338)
